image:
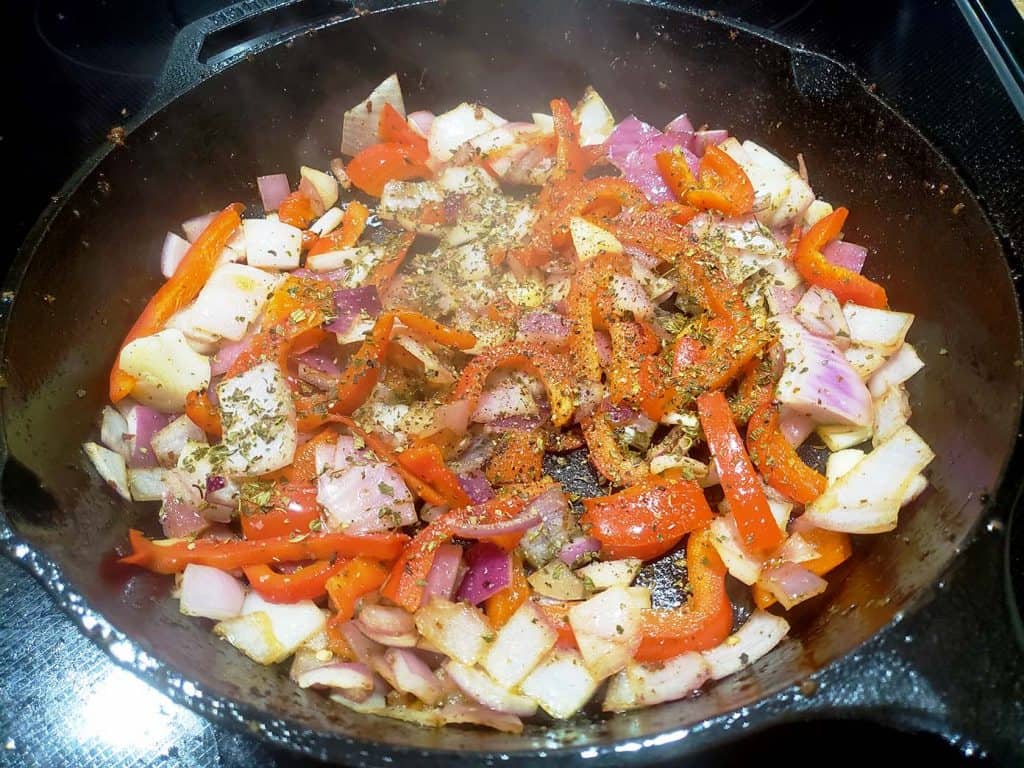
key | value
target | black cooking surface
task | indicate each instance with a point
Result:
(86, 65)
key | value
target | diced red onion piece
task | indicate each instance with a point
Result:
(180, 517)
(320, 360)
(481, 688)
(143, 423)
(846, 255)
(604, 348)
(797, 549)
(387, 625)
(795, 427)
(641, 168)
(792, 584)
(704, 139)
(350, 302)
(511, 398)
(421, 120)
(444, 573)
(577, 548)
(273, 189)
(514, 424)
(194, 227)
(490, 571)
(226, 356)
(680, 124)
(461, 712)
(543, 544)
(544, 327)
(210, 593)
(313, 194)
(174, 250)
(627, 136)
(412, 675)
(524, 522)
(477, 486)
(453, 416)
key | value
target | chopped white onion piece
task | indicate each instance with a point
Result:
(111, 467)
(520, 645)
(253, 635)
(481, 688)
(867, 499)
(174, 250)
(328, 222)
(457, 126)
(878, 328)
(892, 411)
(361, 125)
(838, 437)
(865, 360)
(820, 312)
(561, 684)
(590, 240)
(169, 442)
(326, 186)
(594, 118)
(896, 370)
(165, 370)
(557, 581)
(258, 415)
(815, 212)
(230, 301)
(841, 462)
(604, 574)
(458, 630)
(740, 563)
(291, 623)
(780, 195)
(272, 244)
(147, 483)
(343, 676)
(644, 685)
(210, 593)
(607, 628)
(762, 632)
(114, 432)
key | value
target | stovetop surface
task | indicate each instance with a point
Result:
(63, 702)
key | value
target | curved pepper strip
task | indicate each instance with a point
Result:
(777, 460)
(435, 331)
(378, 164)
(607, 457)
(307, 583)
(203, 413)
(353, 223)
(381, 274)
(172, 555)
(813, 267)
(298, 209)
(570, 160)
(363, 371)
(356, 577)
(723, 186)
(291, 511)
(396, 129)
(648, 519)
(179, 291)
(743, 490)
(706, 618)
(408, 577)
(535, 359)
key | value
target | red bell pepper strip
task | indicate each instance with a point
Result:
(833, 549)
(203, 413)
(813, 267)
(424, 460)
(570, 160)
(552, 370)
(408, 577)
(607, 456)
(648, 519)
(743, 490)
(357, 577)
(433, 330)
(363, 372)
(706, 618)
(291, 511)
(395, 129)
(353, 223)
(382, 273)
(500, 606)
(180, 290)
(172, 555)
(723, 185)
(518, 458)
(298, 209)
(777, 460)
(378, 164)
(307, 583)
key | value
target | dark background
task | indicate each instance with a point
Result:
(80, 67)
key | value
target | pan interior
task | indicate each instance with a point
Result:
(98, 261)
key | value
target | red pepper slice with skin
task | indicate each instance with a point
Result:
(298, 209)
(648, 519)
(363, 372)
(570, 160)
(307, 583)
(607, 457)
(293, 508)
(395, 129)
(777, 460)
(435, 331)
(408, 577)
(353, 223)
(424, 460)
(723, 186)
(743, 489)
(813, 267)
(704, 621)
(357, 577)
(203, 413)
(378, 164)
(172, 555)
(180, 290)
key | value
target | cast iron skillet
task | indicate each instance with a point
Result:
(91, 262)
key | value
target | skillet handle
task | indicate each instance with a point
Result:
(211, 43)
